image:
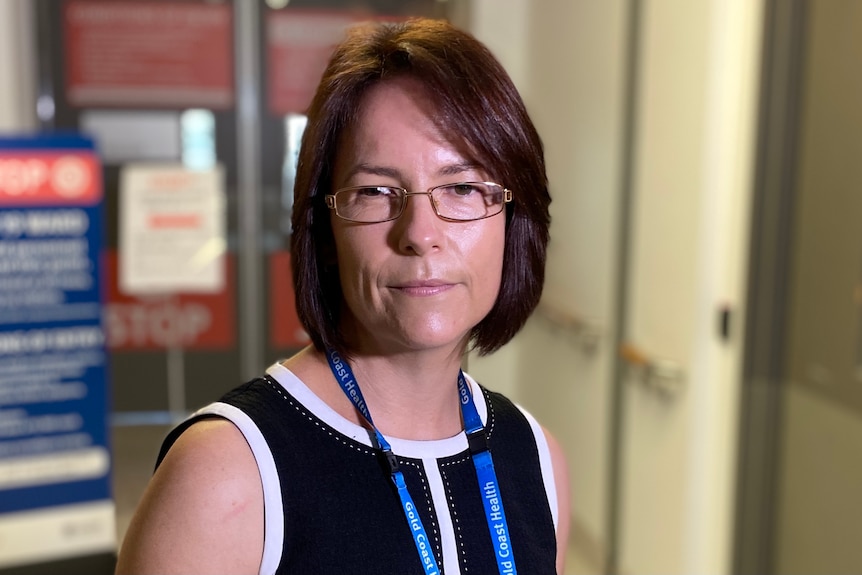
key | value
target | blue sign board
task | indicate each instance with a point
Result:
(55, 464)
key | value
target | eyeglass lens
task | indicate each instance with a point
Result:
(461, 201)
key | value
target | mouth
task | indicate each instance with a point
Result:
(423, 288)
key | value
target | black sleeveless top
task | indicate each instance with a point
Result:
(331, 508)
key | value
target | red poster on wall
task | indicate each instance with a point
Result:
(285, 330)
(135, 53)
(298, 46)
(185, 320)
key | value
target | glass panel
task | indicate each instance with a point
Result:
(294, 126)
(197, 130)
(820, 468)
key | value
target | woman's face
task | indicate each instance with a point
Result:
(417, 282)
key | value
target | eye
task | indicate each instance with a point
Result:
(376, 192)
(466, 189)
(462, 190)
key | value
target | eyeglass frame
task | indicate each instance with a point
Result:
(508, 195)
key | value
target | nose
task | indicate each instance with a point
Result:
(419, 230)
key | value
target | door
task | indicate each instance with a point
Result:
(694, 122)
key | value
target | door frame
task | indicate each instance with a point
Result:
(765, 347)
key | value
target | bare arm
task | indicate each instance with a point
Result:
(561, 479)
(203, 509)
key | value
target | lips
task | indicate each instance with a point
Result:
(423, 287)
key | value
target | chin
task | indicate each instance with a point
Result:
(415, 332)
(437, 341)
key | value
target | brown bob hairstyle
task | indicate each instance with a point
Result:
(479, 109)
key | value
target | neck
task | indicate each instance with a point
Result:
(411, 396)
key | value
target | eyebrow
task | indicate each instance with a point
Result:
(374, 171)
(448, 170)
(460, 168)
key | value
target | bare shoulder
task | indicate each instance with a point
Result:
(203, 509)
(561, 481)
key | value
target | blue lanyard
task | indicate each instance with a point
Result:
(481, 455)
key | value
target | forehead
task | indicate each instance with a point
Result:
(400, 104)
(392, 113)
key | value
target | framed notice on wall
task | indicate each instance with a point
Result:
(172, 229)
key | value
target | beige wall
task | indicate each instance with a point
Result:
(17, 67)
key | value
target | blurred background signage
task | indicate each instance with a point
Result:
(192, 321)
(144, 53)
(286, 331)
(55, 498)
(172, 229)
(299, 44)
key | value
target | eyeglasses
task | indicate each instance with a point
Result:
(460, 202)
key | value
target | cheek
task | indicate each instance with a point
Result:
(355, 253)
(486, 256)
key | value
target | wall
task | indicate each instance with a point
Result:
(17, 67)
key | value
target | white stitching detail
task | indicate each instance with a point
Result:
(491, 418)
(428, 502)
(452, 510)
(298, 406)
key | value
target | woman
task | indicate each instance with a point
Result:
(420, 227)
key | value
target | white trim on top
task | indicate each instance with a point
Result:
(438, 448)
(273, 509)
(546, 464)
